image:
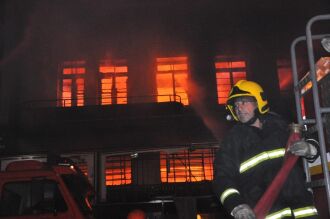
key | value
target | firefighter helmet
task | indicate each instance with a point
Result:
(245, 88)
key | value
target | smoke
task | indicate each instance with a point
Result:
(201, 106)
(21, 47)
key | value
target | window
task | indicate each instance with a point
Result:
(187, 166)
(284, 75)
(81, 190)
(72, 83)
(31, 198)
(118, 170)
(227, 74)
(172, 79)
(113, 82)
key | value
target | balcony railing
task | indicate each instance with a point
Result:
(94, 101)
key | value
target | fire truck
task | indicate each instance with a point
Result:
(35, 189)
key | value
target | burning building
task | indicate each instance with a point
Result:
(134, 91)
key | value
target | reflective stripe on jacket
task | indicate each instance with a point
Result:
(247, 162)
(297, 213)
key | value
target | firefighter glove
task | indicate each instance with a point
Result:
(243, 211)
(303, 148)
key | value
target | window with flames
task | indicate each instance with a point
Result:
(172, 79)
(118, 170)
(113, 82)
(72, 83)
(187, 166)
(228, 72)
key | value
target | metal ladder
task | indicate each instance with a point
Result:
(319, 111)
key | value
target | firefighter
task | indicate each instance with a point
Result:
(251, 155)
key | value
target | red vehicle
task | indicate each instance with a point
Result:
(32, 189)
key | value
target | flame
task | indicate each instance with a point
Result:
(66, 92)
(284, 74)
(234, 64)
(113, 83)
(227, 74)
(223, 86)
(71, 71)
(171, 77)
(118, 170)
(113, 69)
(184, 166)
(73, 83)
(80, 84)
(285, 81)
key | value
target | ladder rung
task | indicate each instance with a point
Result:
(309, 121)
(313, 128)
(325, 109)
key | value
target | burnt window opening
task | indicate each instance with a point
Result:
(172, 79)
(187, 166)
(118, 170)
(113, 82)
(72, 84)
(228, 72)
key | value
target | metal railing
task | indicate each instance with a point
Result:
(96, 101)
(315, 92)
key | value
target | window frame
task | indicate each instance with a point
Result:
(122, 168)
(74, 100)
(174, 66)
(230, 70)
(185, 172)
(114, 98)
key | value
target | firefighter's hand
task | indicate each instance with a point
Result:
(303, 148)
(243, 212)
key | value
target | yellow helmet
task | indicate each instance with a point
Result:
(245, 88)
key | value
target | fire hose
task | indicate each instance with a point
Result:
(268, 198)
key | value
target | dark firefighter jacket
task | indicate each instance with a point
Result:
(248, 160)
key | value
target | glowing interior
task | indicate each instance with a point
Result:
(172, 79)
(73, 83)
(227, 74)
(187, 166)
(113, 83)
(118, 170)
